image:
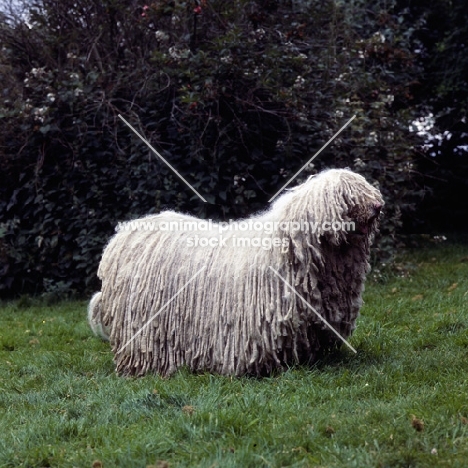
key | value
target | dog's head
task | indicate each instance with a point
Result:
(338, 205)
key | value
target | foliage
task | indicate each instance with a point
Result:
(236, 95)
(392, 404)
(443, 97)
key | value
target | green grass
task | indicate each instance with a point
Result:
(61, 405)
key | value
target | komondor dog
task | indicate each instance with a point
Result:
(242, 297)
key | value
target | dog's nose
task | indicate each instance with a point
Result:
(378, 207)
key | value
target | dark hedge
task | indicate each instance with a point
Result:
(236, 95)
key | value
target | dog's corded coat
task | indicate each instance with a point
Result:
(236, 315)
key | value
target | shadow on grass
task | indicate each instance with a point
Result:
(343, 358)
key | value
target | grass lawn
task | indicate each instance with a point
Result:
(402, 401)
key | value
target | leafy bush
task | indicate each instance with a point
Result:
(443, 161)
(236, 95)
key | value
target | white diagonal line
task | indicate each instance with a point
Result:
(157, 154)
(313, 310)
(161, 309)
(312, 158)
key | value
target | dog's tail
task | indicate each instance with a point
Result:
(95, 317)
